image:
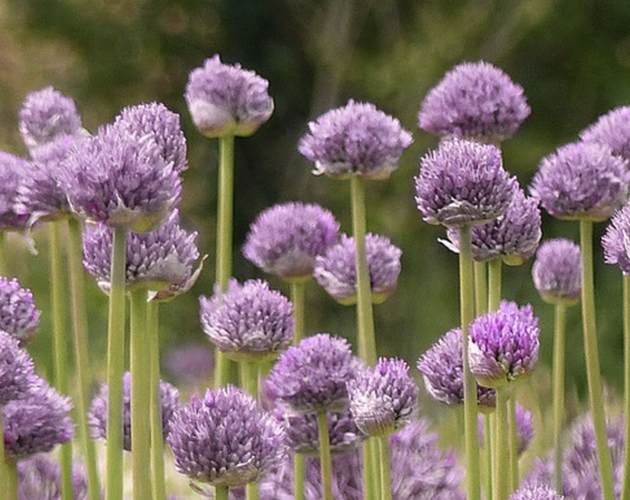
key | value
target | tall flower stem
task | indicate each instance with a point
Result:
(481, 287)
(370, 464)
(386, 482)
(221, 493)
(592, 359)
(513, 443)
(324, 455)
(3, 253)
(558, 392)
(157, 436)
(501, 480)
(467, 313)
(489, 440)
(495, 274)
(249, 374)
(299, 473)
(9, 472)
(3, 462)
(625, 489)
(116, 366)
(297, 298)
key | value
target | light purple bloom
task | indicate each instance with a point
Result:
(524, 429)
(16, 370)
(611, 130)
(12, 172)
(18, 315)
(535, 493)
(463, 182)
(285, 239)
(557, 271)
(39, 478)
(616, 240)
(475, 100)
(355, 139)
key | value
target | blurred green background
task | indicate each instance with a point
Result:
(571, 56)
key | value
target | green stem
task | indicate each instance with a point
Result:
(251, 491)
(495, 268)
(369, 486)
(299, 472)
(513, 443)
(116, 366)
(3, 253)
(3, 463)
(625, 489)
(592, 359)
(386, 482)
(9, 471)
(157, 437)
(558, 393)
(324, 455)
(488, 438)
(249, 373)
(502, 455)
(466, 286)
(221, 493)
(481, 287)
(80, 329)
(297, 298)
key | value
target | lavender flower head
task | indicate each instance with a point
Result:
(557, 271)
(616, 242)
(383, 398)
(46, 115)
(581, 181)
(442, 371)
(475, 100)
(225, 439)
(524, 429)
(97, 414)
(335, 270)
(504, 345)
(39, 477)
(253, 322)
(12, 172)
(285, 239)
(463, 182)
(535, 493)
(18, 315)
(611, 130)
(227, 100)
(355, 139)
(16, 369)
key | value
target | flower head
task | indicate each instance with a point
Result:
(18, 315)
(616, 240)
(12, 172)
(335, 270)
(475, 100)
(611, 130)
(463, 182)
(557, 271)
(285, 239)
(16, 370)
(535, 493)
(39, 477)
(583, 180)
(355, 139)
(227, 100)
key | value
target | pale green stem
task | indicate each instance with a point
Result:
(495, 268)
(513, 443)
(481, 287)
(3, 253)
(298, 476)
(593, 372)
(9, 471)
(386, 482)
(625, 489)
(501, 480)
(297, 298)
(251, 491)
(221, 493)
(369, 464)
(487, 452)
(249, 374)
(116, 366)
(157, 437)
(324, 455)
(3, 463)
(558, 393)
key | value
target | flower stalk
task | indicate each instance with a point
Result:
(157, 435)
(558, 392)
(324, 455)
(625, 489)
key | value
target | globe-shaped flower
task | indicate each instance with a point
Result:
(16, 369)
(355, 139)
(616, 242)
(463, 182)
(335, 270)
(225, 439)
(227, 100)
(285, 239)
(383, 398)
(475, 100)
(582, 180)
(12, 172)
(557, 271)
(611, 130)
(39, 477)
(504, 345)
(253, 322)
(524, 429)
(18, 315)
(535, 493)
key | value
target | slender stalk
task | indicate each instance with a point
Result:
(592, 359)
(9, 471)
(481, 287)
(249, 373)
(513, 444)
(324, 455)
(487, 452)
(297, 298)
(221, 493)
(298, 476)
(157, 436)
(501, 480)
(625, 489)
(251, 491)
(558, 392)
(116, 366)
(386, 482)
(3, 463)
(369, 465)
(495, 271)
(3, 254)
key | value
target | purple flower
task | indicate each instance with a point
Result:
(611, 130)
(557, 271)
(97, 415)
(442, 371)
(536, 493)
(39, 477)
(463, 182)
(504, 345)
(285, 239)
(524, 429)
(335, 270)
(12, 172)
(475, 100)
(355, 139)
(383, 398)
(16, 370)
(616, 242)
(581, 181)
(225, 439)
(253, 322)
(18, 315)
(227, 100)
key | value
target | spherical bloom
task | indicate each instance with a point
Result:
(504, 345)
(512, 237)
(442, 371)
(227, 100)
(39, 477)
(463, 182)
(335, 270)
(355, 139)
(16, 369)
(524, 429)
(161, 261)
(611, 130)
(581, 181)
(475, 100)
(12, 172)
(285, 239)
(311, 377)
(536, 493)
(18, 315)
(557, 271)
(225, 439)
(46, 115)
(252, 323)
(615, 241)
(383, 398)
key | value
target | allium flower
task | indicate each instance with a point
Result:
(355, 139)
(97, 414)
(225, 439)
(504, 345)
(611, 130)
(12, 171)
(557, 271)
(47, 114)
(16, 369)
(311, 377)
(161, 261)
(18, 315)
(581, 181)
(616, 241)
(536, 493)
(39, 477)
(524, 429)
(383, 398)
(335, 270)
(253, 322)
(227, 100)
(286, 238)
(475, 100)
(463, 182)
(512, 237)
